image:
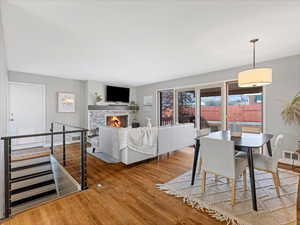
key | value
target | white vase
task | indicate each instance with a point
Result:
(149, 125)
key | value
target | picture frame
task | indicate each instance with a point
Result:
(66, 102)
(148, 100)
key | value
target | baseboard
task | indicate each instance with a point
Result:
(29, 145)
(59, 143)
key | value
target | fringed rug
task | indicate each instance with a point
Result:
(217, 199)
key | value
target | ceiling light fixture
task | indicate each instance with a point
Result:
(256, 76)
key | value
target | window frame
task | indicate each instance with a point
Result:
(177, 103)
(197, 88)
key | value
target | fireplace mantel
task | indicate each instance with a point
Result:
(111, 107)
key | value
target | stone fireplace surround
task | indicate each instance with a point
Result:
(97, 114)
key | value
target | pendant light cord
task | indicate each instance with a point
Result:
(253, 41)
(253, 55)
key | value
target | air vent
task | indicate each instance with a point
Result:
(76, 138)
(292, 158)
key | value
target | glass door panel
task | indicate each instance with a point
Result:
(166, 107)
(245, 108)
(211, 108)
(186, 106)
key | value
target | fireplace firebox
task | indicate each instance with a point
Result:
(117, 121)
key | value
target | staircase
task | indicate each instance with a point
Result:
(32, 181)
(35, 175)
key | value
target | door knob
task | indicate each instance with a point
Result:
(11, 117)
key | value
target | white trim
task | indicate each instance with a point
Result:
(43, 86)
(60, 143)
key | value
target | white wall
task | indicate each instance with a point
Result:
(3, 103)
(286, 83)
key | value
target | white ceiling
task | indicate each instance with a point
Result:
(139, 42)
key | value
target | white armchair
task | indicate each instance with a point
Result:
(218, 157)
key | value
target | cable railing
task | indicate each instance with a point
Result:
(55, 141)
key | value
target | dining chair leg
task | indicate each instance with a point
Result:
(203, 182)
(216, 178)
(233, 191)
(278, 179)
(275, 179)
(200, 165)
(245, 180)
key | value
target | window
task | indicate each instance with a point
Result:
(245, 108)
(166, 99)
(221, 105)
(186, 106)
(211, 108)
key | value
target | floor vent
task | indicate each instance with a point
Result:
(291, 158)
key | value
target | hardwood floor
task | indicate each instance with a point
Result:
(128, 196)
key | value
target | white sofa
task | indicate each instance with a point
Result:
(170, 138)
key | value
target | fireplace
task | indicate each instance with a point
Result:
(117, 120)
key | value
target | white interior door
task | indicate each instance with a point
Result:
(26, 113)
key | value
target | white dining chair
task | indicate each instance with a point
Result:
(219, 158)
(253, 130)
(270, 163)
(202, 133)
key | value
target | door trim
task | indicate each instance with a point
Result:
(43, 86)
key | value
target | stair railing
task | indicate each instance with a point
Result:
(8, 158)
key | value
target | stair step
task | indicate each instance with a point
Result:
(31, 181)
(30, 166)
(28, 171)
(33, 192)
(33, 203)
(31, 176)
(32, 186)
(27, 162)
(21, 157)
(32, 199)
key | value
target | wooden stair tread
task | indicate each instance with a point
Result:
(31, 156)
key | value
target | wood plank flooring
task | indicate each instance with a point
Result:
(128, 196)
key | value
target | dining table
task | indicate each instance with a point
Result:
(245, 143)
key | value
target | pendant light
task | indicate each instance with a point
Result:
(256, 76)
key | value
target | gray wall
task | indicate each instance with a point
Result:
(53, 86)
(286, 83)
(3, 104)
(100, 88)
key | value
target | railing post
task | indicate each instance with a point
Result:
(64, 145)
(52, 145)
(7, 170)
(83, 173)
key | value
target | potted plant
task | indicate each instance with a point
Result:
(291, 112)
(98, 98)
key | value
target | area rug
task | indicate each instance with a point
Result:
(216, 201)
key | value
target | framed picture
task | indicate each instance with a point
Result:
(66, 102)
(148, 100)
